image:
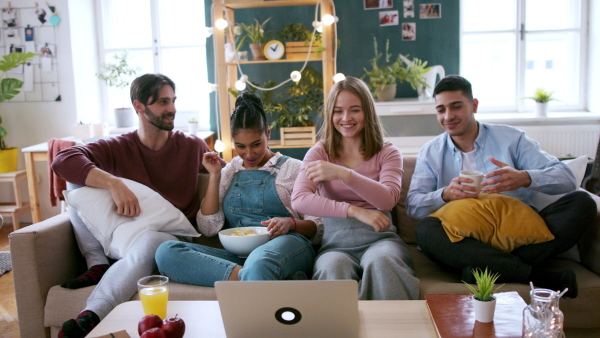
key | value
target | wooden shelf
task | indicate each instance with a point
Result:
(276, 144)
(240, 4)
(311, 58)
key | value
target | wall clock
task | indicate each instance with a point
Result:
(274, 50)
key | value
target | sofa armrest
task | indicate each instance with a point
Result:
(43, 254)
(589, 245)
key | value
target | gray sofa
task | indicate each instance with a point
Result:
(45, 254)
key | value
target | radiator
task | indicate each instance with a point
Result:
(565, 141)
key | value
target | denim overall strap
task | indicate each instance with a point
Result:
(252, 197)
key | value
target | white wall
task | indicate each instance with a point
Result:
(30, 123)
(594, 57)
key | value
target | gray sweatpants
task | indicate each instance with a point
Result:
(379, 261)
(119, 283)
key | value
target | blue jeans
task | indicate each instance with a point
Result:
(197, 264)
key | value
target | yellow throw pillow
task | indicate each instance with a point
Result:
(498, 220)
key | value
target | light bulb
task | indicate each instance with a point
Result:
(320, 29)
(221, 23)
(239, 85)
(296, 76)
(339, 77)
(219, 146)
(316, 24)
(208, 31)
(210, 87)
(328, 19)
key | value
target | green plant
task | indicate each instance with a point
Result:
(295, 32)
(394, 72)
(293, 106)
(256, 32)
(485, 281)
(192, 120)
(118, 74)
(9, 87)
(541, 95)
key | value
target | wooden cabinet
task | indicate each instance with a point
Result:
(227, 73)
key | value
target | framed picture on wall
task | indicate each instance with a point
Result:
(409, 8)
(388, 18)
(377, 4)
(430, 11)
(409, 31)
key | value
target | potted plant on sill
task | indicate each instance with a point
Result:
(119, 75)
(192, 125)
(541, 98)
(484, 303)
(256, 34)
(9, 88)
(383, 79)
(297, 40)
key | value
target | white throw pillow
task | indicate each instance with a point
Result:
(578, 166)
(115, 232)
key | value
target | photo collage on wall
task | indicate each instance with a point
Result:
(390, 17)
(32, 29)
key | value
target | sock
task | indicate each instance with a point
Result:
(80, 327)
(556, 281)
(90, 277)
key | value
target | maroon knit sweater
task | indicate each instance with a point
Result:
(171, 171)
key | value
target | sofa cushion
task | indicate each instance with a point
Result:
(406, 225)
(578, 166)
(493, 219)
(116, 232)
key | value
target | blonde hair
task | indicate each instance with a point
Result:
(372, 142)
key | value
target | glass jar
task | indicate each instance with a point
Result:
(543, 318)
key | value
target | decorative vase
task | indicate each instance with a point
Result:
(386, 92)
(193, 127)
(541, 109)
(484, 310)
(257, 51)
(543, 318)
(9, 160)
(124, 117)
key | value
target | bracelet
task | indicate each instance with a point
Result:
(295, 224)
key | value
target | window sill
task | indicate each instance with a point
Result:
(554, 118)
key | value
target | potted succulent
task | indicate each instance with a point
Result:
(119, 75)
(484, 302)
(192, 125)
(256, 34)
(297, 39)
(383, 79)
(9, 88)
(541, 98)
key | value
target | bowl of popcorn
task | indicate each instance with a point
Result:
(241, 241)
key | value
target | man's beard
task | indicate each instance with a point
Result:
(157, 120)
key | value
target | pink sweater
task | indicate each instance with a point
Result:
(375, 183)
(171, 171)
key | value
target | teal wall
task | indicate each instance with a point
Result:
(437, 43)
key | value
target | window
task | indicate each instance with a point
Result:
(510, 47)
(161, 36)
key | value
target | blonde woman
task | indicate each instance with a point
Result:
(352, 179)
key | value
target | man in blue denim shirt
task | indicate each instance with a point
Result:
(514, 165)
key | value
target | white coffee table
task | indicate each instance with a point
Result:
(401, 318)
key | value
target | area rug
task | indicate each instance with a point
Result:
(5, 264)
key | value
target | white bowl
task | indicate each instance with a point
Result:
(243, 245)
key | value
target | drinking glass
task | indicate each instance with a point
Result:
(154, 294)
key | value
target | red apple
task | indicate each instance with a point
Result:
(148, 322)
(174, 327)
(155, 332)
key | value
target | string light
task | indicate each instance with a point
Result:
(219, 146)
(241, 83)
(296, 76)
(208, 31)
(221, 23)
(318, 26)
(210, 87)
(329, 19)
(339, 77)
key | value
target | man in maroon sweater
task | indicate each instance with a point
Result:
(166, 161)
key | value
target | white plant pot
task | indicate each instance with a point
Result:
(125, 117)
(193, 127)
(541, 109)
(386, 92)
(484, 311)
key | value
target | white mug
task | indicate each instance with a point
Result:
(476, 176)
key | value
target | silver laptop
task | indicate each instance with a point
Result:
(289, 309)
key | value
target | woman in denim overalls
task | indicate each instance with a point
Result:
(352, 179)
(253, 190)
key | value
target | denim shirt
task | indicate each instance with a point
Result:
(440, 161)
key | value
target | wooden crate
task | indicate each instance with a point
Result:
(296, 136)
(295, 50)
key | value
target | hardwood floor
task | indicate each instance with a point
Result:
(9, 323)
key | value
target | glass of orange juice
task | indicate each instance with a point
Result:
(154, 294)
